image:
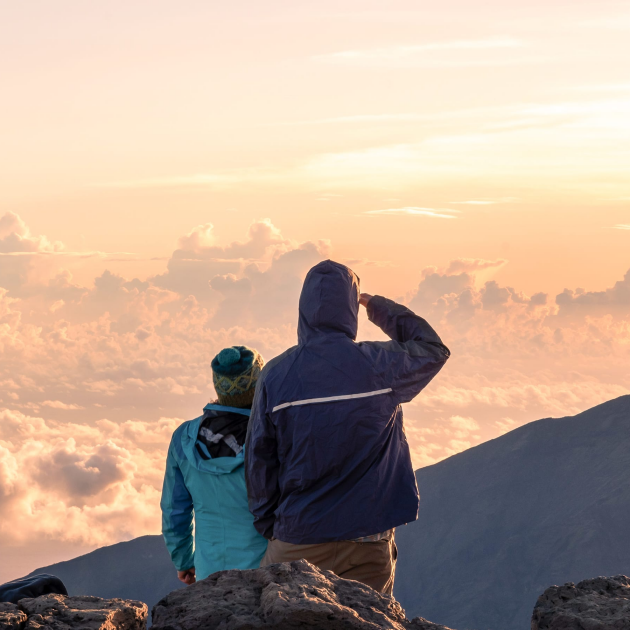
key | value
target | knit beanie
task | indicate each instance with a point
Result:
(235, 371)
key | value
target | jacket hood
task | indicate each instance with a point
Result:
(217, 465)
(329, 302)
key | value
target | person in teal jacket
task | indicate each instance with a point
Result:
(205, 478)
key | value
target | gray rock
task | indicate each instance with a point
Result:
(283, 596)
(597, 604)
(58, 612)
(11, 617)
(420, 623)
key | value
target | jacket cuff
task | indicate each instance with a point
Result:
(378, 304)
(188, 563)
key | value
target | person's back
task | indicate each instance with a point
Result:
(327, 457)
(205, 477)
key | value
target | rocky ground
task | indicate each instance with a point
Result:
(59, 612)
(597, 604)
(281, 597)
(297, 595)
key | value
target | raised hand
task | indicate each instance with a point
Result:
(364, 298)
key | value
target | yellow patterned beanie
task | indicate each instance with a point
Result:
(235, 371)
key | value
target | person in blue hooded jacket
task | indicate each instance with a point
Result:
(329, 474)
(205, 477)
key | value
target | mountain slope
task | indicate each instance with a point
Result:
(140, 569)
(544, 504)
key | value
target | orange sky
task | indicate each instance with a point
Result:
(465, 158)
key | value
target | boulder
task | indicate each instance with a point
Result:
(420, 623)
(281, 597)
(601, 603)
(59, 612)
(11, 617)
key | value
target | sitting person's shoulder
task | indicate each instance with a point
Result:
(181, 430)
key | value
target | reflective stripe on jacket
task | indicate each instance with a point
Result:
(214, 491)
(326, 454)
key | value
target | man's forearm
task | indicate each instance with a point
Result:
(399, 322)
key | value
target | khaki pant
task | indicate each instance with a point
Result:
(373, 563)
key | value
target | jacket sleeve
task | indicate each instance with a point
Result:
(262, 465)
(177, 515)
(413, 357)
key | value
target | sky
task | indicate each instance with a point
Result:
(170, 171)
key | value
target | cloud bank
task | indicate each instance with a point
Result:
(95, 378)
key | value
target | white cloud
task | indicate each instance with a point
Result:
(198, 238)
(134, 351)
(472, 265)
(97, 487)
(196, 262)
(57, 404)
(415, 211)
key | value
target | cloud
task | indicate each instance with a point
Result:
(445, 437)
(197, 239)
(25, 265)
(97, 487)
(131, 344)
(57, 404)
(516, 355)
(267, 297)
(196, 261)
(472, 265)
(608, 301)
(94, 379)
(621, 226)
(415, 211)
(16, 237)
(17, 247)
(135, 350)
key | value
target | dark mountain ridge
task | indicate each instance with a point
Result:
(544, 504)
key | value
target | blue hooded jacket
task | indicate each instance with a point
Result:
(214, 490)
(326, 454)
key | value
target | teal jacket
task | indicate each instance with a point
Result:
(214, 491)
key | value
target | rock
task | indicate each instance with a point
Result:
(11, 617)
(58, 612)
(598, 604)
(419, 623)
(281, 597)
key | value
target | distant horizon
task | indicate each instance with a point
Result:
(170, 175)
